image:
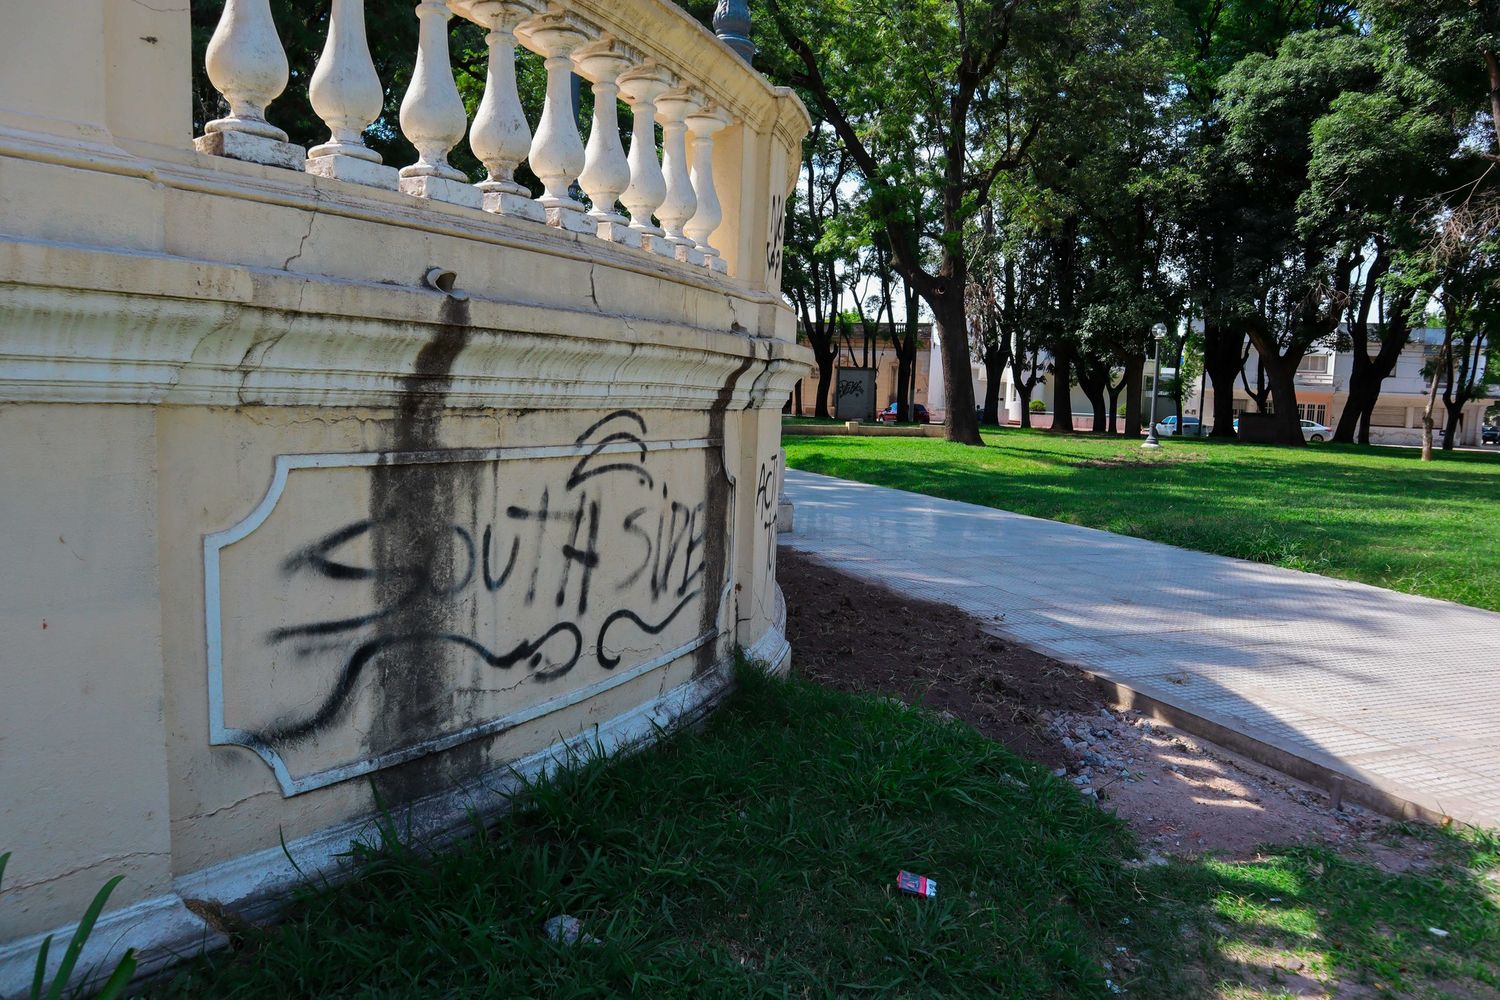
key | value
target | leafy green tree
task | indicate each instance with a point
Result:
(1456, 43)
(1206, 192)
(969, 86)
(1291, 277)
(1378, 158)
(813, 275)
(986, 293)
(1464, 251)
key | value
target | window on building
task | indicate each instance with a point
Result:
(1313, 411)
(1244, 405)
(1316, 364)
(1388, 416)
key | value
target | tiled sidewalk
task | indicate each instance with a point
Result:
(1400, 693)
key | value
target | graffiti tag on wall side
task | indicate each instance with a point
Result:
(377, 607)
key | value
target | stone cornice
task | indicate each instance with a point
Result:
(187, 171)
(85, 325)
(665, 32)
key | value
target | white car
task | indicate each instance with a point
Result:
(1168, 427)
(1314, 431)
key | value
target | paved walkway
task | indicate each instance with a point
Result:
(1400, 693)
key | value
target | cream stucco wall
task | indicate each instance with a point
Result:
(253, 462)
(82, 748)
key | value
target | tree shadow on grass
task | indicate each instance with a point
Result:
(1311, 922)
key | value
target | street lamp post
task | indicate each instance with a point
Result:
(1157, 333)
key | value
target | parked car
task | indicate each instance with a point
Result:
(1314, 431)
(1490, 434)
(888, 415)
(1168, 427)
(1311, 430)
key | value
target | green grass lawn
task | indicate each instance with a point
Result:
(757, 857)
(1377, 515)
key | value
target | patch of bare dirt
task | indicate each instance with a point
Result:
(1184, 796)
(855, 636)
(1132, 461)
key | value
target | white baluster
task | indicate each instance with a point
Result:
(433, 116)
(606, 172)
(680, 204)
(346, 94)
(704, 125)
(246, 63)
(648, 187)
(557, 151)
(500, 136)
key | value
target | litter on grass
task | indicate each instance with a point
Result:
(567, 930)
(917, 885)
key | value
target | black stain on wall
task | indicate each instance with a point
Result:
(431, 562)
(717, 529)
(412, 508)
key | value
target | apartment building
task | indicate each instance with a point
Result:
(1323, 391)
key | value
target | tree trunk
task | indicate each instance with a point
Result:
(1368, 373)
(1353, 422)
(1223, 361)
(1101, 411)
(1283, 379)
(994, 369)
(1094, 386)
(1442, 365)
(903, 386)
(797, 395)
(1450, 430)
(825, 382)
(958, 376)
(911, 388)
(1135, 378)
(1062, 390)
(1114, 407)
(1178, 363)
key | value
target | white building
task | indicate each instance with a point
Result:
(1323, 391)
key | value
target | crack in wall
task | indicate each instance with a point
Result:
(111, 859)
(238, 801)
(312, 217)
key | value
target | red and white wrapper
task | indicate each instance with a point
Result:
(917, 885)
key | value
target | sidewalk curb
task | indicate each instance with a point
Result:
(1337, 780)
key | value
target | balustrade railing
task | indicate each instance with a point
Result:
(673, 203)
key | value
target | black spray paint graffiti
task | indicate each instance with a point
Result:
(849, 387)
(767, 508)
(774, 242)
(544, 555)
